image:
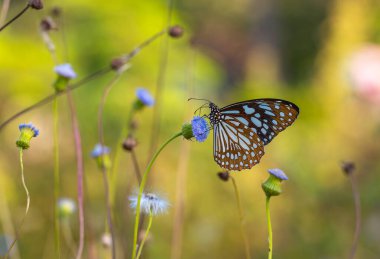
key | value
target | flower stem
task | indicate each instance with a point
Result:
(15, 18)
(116, 157)
(146, 234)
(27, 205)
(23, 184)
(109, 214)
(136, 166)
(106, 92)
(241, 217)
(57, 234)
(269, 229)
(141, 189)
(79, 158)
(357, 216)
(51, 97)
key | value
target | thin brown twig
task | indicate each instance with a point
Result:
(104, 169)
(56, 94)
(136, 166)
(15, 18)
(79, 157)
(356, 195)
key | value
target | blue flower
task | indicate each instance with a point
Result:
(144, 96)
(278, 173)
(150, 203)
(29, 126)
(200, 128)
(27, 132)
(65, 70)
(99, 150)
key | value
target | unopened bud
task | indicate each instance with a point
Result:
(117, 64)
(348, 167)
(56, 11)
(175, 31)
(224, 176)
(36, 4)
(48, 24)
(130, 143)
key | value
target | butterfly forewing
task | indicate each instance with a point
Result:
(267, 117)
(236, 146)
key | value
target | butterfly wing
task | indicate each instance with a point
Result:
(236, 146)
(266, 117)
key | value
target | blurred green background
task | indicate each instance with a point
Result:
(301, 51)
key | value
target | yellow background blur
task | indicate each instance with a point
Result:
(230, 52)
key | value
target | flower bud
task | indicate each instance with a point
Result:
(36, 4)
(272, 186)
(27, 132)
(117, 64)
(56, 11)
(130, 143)
(224, 176)
(65, 73)
(48, 24)
(187, 131)
(175, 31)
(101, 155)
(143, 99)
(348, 168)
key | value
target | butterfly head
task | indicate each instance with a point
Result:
(214, 115)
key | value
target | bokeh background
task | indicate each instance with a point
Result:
(322, 55)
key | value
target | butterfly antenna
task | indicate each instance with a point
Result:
(200, 108)
(199, 99)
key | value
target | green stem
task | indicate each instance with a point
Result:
(23, 184)
(269, 229)
(141, 189)
(116, 157)
(27, 205)
(146, 234)
(57, 234)
(241, 217)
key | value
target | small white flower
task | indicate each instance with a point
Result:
(150, 203)
(66, 207)
(106, 240)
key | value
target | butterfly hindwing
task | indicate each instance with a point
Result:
(236, 146)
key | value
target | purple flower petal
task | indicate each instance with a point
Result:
(278, 173)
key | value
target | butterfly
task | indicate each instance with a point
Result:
(241, 130)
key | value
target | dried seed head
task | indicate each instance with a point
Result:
(130, 143)
(175, 31)
(56, 11)
(117, 64)
(224, 176)
(36, 4)
(106, 240)
(348, 167)
(48, 24)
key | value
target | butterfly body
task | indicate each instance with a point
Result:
(242, 129)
